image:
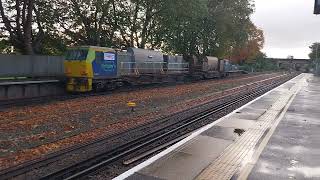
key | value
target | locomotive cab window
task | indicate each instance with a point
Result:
(77, 55)
(99, 57)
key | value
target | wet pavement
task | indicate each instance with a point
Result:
(293, 151)
(274, 137)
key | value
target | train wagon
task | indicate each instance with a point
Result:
(206, 67)
(141, 66)
(175, 64)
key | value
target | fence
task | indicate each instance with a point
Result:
(31, 66)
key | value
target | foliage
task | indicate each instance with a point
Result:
(250, 50)
(260, 64)
(189, 27)
(27, 23)
(315, 51)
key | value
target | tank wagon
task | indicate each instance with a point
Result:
(97, 68)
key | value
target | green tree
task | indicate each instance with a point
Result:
(27, 23)
(137, 21)
(315, 51)
(183, 25)
(190, 27)
(85, 22)
(113, 23)
(207, 27)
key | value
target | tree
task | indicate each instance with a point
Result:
(85, 22)
(137, 21)
(114, 23)
(250, 49)
(189, 27)
(315, 51)
(207, 27)
(21, 20)
(182, 26)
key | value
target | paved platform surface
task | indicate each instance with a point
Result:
(276, 136)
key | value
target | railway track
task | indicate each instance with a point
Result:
(4, 104)
(146, 145)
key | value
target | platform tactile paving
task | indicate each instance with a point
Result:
(238, 153)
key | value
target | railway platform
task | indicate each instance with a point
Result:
(273, 137)
(24, 89)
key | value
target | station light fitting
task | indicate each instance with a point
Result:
(317, 7)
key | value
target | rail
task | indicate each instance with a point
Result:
(117, 153)
(91, 165)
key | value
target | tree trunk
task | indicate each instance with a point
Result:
(28, 49)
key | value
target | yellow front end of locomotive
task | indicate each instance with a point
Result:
(78, 70)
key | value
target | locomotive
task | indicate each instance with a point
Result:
(99, 68)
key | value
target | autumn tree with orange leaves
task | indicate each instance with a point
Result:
(252, 48)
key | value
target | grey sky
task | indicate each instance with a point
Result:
(289, 26)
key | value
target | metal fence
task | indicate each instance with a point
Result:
(31, 66)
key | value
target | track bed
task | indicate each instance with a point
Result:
(83, 120)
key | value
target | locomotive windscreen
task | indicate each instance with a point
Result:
(77, 54)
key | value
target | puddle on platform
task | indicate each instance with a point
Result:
(291, 110)
(239, 132)
(308, 172)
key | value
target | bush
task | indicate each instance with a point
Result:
(260, 65)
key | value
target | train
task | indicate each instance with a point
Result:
(92, 68)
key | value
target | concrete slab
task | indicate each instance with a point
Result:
(205, 146)
(236, 123)
(178, 166)
(139, 176)
(186, 162)
(249, 113)
(263, 104)
(311, 119)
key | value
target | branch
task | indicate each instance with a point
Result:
(84, 20)
(5, 19)
(40, 35)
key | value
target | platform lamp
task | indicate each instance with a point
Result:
(317, 7)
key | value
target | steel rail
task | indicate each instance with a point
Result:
(88, 167)
(4, 104)
(37, 163)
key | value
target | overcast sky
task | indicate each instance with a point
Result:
(289, 26)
